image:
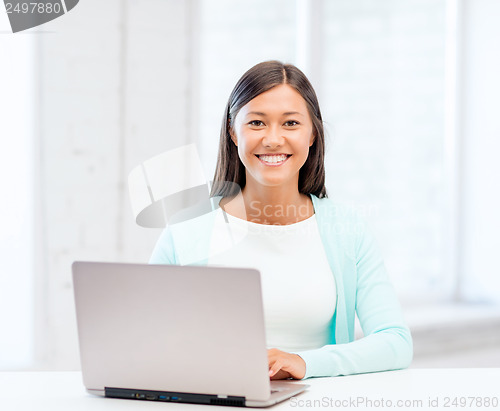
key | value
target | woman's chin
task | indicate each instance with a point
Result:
(274, 182)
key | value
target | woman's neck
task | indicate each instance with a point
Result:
(269, 205)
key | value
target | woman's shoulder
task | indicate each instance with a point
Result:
(335, 211)
(343, 225)
(185, 238)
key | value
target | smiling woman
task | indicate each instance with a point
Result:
(319, 264)
(272, 144)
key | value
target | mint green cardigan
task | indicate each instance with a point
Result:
(363, 288)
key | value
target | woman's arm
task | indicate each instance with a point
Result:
(387, 344)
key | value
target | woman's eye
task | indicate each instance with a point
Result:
(291, 123)
(256, 123)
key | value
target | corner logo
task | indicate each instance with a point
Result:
(25, 14)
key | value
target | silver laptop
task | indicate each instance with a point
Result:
(175, 334)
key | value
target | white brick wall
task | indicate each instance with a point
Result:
(113, 91)
(17, 122)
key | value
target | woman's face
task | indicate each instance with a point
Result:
(273, 133)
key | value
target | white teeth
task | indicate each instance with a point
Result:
(274, 158)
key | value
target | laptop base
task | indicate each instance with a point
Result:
(169, 396)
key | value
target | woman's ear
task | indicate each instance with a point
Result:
(312, 140)
(231, 133)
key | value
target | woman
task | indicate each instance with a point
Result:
(319, 262)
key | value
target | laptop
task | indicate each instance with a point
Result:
(175, 334)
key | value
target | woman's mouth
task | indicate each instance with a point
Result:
(273, 160)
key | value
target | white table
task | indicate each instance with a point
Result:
(64, 391)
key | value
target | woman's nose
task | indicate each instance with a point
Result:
(273, 138)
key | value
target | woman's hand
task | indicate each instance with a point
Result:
(283, 365)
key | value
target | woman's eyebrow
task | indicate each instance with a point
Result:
(259, 113)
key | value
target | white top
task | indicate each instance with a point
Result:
(298, 286)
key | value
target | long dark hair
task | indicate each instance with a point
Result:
(260, 78)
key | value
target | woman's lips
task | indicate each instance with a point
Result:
(273, 160)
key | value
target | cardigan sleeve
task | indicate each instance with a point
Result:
(164, 251)
(387, 342)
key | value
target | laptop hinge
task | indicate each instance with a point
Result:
(171, 396)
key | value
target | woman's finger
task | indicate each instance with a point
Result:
(274, 368)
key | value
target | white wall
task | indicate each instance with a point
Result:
(480, 136)
(113, 92)
(383, 105)
(17, 125)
